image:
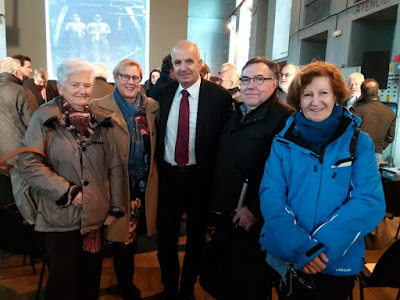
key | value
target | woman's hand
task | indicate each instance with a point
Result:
(110, 220)
(77, 200)
(245, 218)
(316, 265)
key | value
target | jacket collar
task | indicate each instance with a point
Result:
(9, 77)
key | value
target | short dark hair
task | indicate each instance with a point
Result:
(167, 64)
(318, 69)
(274, 67)
(370, 88)
(21, 58)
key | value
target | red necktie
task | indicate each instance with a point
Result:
(182, 138)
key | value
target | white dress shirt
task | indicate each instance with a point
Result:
(352, 100)
(172, 124)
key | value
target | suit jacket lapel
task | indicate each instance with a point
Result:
(202, 110)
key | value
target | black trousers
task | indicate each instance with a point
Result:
(181, 190)
(124, 267)
(234, 266)
(325, 287)
(73, 273)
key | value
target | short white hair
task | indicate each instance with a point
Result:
(228, 66)
(100, 70)
(360, 76)
(71, 66)
(296, 69)
(10, 65)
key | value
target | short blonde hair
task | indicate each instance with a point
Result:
(127, 63)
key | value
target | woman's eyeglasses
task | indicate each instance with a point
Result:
(126, 78)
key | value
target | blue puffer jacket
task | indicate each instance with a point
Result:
(321, 203)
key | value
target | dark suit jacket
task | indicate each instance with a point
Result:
(51, 92)
(215, 105)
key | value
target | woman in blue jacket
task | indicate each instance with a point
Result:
(321, 192)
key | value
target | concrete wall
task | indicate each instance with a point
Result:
(25, 20)
(207, 27)
(341, 18)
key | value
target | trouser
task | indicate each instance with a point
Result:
(324, 287)
(73, 273)
(234, 266)
(124, 267)
(180, 190)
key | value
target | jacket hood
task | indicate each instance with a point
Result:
(9, 77)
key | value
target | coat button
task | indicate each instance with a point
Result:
(86, 183)
(83, 149)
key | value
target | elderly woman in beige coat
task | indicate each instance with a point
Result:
(79, 182)
(135, 134)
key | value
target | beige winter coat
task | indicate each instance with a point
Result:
(118, 232)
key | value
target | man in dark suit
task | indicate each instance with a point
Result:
(192, 114)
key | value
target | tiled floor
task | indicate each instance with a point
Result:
(18, 283)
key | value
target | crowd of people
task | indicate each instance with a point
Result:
(271, 163)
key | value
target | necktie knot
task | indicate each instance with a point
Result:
(185, 93)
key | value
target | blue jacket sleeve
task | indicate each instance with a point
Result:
(281, 236)
(363, 210)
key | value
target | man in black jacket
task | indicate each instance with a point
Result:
(192, 113)
(166, 76)
(244, 147)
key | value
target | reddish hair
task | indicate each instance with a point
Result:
(318, 69)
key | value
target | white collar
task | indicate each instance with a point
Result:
(194, 89)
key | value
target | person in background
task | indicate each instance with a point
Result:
(166, 76)
(354, 83)
(25, 62)
(101, 87)
(320, 193)
(16, 108)
(229, 79)
(80, 180)
(39, 87)
(135, 134)
(244, 146)
(154, 76)
(377, 119)
(205, 72)
(285, 79)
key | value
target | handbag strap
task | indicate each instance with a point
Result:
(6, 167)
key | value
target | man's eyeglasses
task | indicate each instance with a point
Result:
(285, 75)
(126, 78)
(258, 80)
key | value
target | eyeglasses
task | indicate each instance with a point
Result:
(285, 75)
(258, 80)
(126, 78)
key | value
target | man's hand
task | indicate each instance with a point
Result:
(316, 265)
(77, 200)
(110, 220)
(245, 218)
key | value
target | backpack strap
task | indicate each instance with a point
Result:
(6, 167)
(353, 143)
